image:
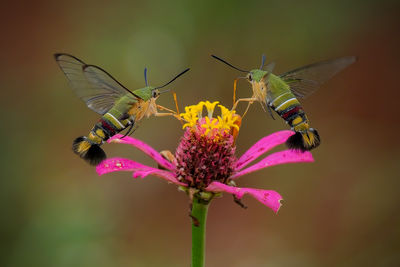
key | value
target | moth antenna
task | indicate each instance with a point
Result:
(262, 62)
(176, 77)
(229, 64)
(145, 76)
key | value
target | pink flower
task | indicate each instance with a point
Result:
(205, 163)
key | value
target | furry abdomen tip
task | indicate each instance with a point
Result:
(304, 141)
(91, 153)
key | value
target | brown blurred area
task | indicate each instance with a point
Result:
(342, 210)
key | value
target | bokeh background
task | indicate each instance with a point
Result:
(342, 210)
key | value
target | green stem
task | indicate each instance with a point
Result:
(199, 217)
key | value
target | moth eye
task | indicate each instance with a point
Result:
(250, 77)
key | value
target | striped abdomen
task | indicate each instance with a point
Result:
(107, 127)
(88, 147)
(288, 108)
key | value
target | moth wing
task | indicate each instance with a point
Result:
(306, 80)
(96, 87)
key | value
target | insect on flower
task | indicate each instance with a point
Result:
(281, 93)
(205, 164)
(120, 108)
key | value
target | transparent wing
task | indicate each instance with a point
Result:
(306, 80)
(98, 89)
(269, 68)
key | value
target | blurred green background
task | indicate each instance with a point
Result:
(342, 210)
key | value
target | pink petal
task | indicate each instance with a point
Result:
(263, 145)
(281, 157)
(139, 170)
(269, 198)
(143, 147)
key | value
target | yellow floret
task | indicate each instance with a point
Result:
(210, 107)
(209, 124)
(225, 122)
(191, 116)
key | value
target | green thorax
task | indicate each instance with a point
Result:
(125, 103)
(276, 86)
(144, 93)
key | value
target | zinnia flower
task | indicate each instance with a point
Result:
(205, 164)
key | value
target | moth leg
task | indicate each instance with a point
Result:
(164, 114)
(129, 132)
(161, 114)
(170, 113)
(247, 109)
(251, 100)
(166, 109)
(263, 105)
(270, 112)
